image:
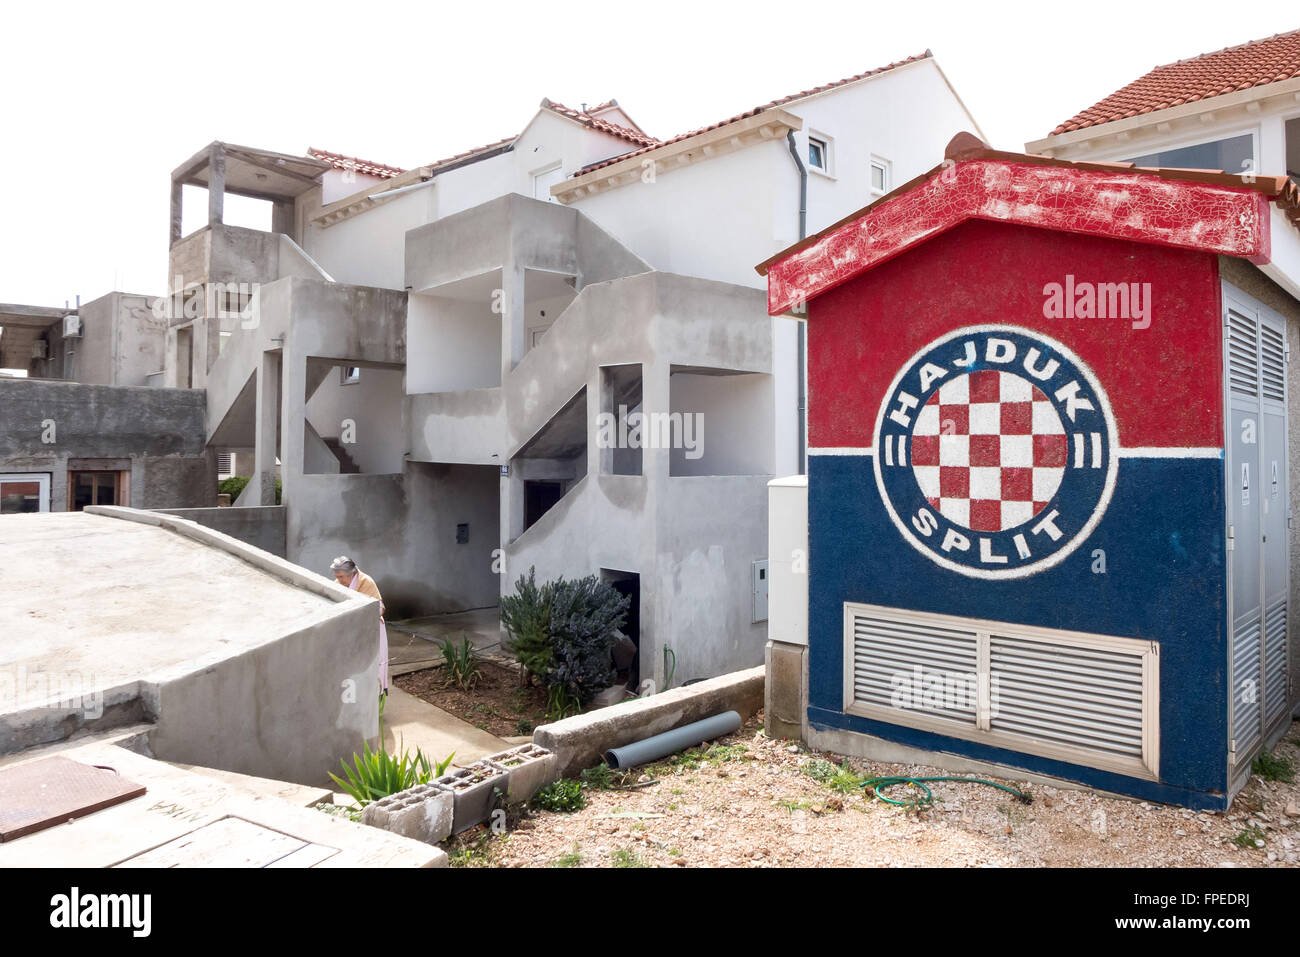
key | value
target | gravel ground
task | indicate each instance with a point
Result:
(749, 802)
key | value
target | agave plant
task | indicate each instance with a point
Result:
(377, 774)
(462, 663)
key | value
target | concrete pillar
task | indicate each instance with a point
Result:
(175, 233)
(655, 397)
(267, 426)
(293, 418)
(514, 342)
(282, 218)
(216, 184)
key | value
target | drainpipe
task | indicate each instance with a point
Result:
(803, 325)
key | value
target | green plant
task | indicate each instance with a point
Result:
(1250, 839)
(625, 857)
(523, 726)
(560, 703)
(233, 486)
(1274, 767)
(820, 770)
(571, 859)
(526, 617)
(462, 663)
(377, 774)
(477, 853)
(586, 616)
(338, 810)
(564, 795)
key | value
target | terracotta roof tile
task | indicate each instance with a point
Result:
(1252, 64)
(447, 161)
(593, 122)
(339, 161)
(755, 111)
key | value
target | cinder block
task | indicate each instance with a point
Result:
(786, 694)
(530, 766)
(471, 788)
(422, 813)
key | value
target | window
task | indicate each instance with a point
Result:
(879, 176)
(95, 488)
(24, 493)
(1236, 154)
(817, 153)
(350, 375)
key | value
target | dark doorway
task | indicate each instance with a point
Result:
(538, 499)
(628, 584)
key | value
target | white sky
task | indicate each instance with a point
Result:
(101, 101)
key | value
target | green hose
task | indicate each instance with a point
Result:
(879, 784)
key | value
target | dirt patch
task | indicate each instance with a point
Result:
(497, 704)
(748, 801)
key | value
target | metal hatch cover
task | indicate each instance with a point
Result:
(40, 794)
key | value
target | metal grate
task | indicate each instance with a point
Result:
(1275, 659)
(1273, 363)
(1243, 354)
(1245, 686)
(919, 664)
(1087, 699)
(1083, 697)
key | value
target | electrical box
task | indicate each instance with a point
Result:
(758, 570)
(72, 326)
(40, 349)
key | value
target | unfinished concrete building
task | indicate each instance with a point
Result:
(548, 352)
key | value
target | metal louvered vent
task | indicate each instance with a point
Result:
(1085, 697)
(1243, 351)
(1245, 685)
(1275, 659)
(1091, 700)
(1272, 354)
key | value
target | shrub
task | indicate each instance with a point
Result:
(526, 616)
(233, 486)
(461, 662)
(585, 617)
(563, 795)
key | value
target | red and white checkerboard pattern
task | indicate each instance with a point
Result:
(989, 450)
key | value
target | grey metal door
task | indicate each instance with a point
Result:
(1258, 497)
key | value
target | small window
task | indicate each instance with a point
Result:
(879, 176)
(817, 153)
(351, 374)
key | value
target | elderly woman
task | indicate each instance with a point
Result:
(348, 575)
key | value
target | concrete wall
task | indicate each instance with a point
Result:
(456, 344)
(122, 343)
(263, 527)
(401, 530)
(376, 407)
(157, 433)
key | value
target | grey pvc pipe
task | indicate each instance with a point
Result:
(661, 745)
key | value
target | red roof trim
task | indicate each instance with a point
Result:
(1212, 212)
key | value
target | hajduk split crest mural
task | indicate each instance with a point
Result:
(995, 451)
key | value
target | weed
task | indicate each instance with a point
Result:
(1274, 767)
(571, 859)
(338, 810)
(674, 852)
(477, 853)
(793, 804)
(564, 795)
(820, 770)
(598, 777)
(673, 806)
(1247, 839)
(523, 726)
(626, 857)
(462, 663)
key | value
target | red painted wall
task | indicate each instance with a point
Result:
(1164, 382)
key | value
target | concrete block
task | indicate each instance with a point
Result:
(422, 813)
(531, 768)
(472, 790)
(581, 741)
(785, 697)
